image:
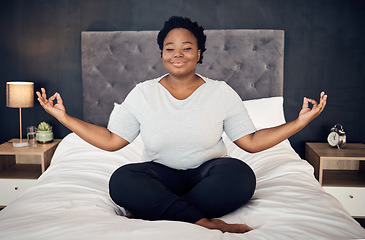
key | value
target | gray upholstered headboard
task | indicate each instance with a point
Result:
(250, 61)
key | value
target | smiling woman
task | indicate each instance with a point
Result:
(186, 174)
(180, 56)
(180, 51)
(183, 23)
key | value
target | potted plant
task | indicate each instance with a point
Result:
(44, 133)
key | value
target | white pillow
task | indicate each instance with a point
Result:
(113, 113)
(266, 112)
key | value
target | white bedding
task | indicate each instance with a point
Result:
(70, 200)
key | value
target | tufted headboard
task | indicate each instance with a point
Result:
(250, 61)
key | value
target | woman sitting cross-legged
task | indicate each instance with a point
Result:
(186, 174)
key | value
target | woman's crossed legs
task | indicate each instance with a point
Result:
(153, 191)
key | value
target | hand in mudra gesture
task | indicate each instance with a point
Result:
(57, 110)
(308, 114)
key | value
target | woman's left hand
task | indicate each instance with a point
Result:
(269, 137)
(307, 114)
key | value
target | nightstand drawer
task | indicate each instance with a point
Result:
(10, 189)
(352, 198)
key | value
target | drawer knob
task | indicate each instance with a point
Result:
(351, 196)
(16, 188)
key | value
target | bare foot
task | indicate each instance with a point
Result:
(223, 226)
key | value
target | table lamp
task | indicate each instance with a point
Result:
(20, 95)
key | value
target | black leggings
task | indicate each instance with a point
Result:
(152, 191)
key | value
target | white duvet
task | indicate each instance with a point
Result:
(71, 201)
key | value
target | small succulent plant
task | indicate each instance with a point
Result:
(43, 126)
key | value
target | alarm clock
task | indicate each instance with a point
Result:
(337, 137)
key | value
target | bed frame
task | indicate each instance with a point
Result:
(250, 61)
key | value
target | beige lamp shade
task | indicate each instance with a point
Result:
(20, 94)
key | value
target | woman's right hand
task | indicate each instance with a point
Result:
(91, 133)
(57, 110)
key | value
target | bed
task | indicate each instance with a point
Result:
(71, 201)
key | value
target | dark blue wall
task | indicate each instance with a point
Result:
(324, 50)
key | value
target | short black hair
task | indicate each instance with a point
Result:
(186, 23)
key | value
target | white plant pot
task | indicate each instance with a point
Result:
(44, 136)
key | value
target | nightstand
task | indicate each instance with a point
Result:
(21, 167)
(341, 172)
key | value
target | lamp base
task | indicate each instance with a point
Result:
(20, 144)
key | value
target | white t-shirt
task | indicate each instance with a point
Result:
(181, 134)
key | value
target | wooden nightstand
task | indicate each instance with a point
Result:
(341, 173)
(20, 167)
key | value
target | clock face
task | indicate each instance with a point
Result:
(333, 139)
